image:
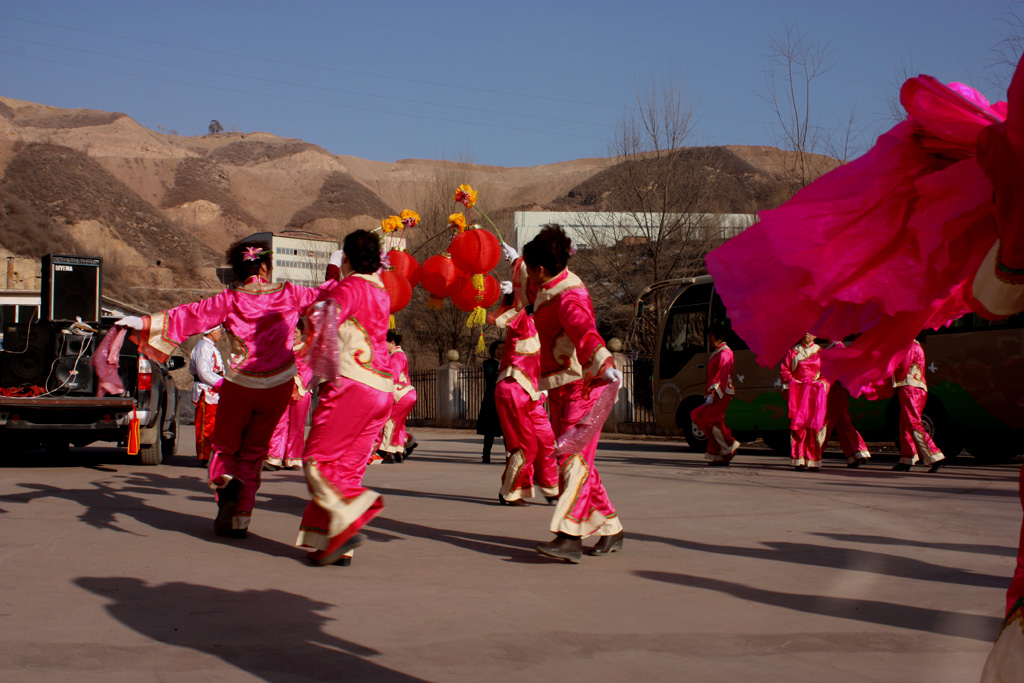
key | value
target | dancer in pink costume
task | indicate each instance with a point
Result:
(719, 391)
(806, 394)
(908, 378)
(837, 420)
(351, 412)
(394, 446)
(259, 318)
(575, 367)
(529, 439)
(289, 438)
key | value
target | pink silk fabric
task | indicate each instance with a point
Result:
(886, 245)
(106, 361)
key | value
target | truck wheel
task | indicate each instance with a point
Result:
(149, 443)
(695, 438)
(993, 450)
(169, 444)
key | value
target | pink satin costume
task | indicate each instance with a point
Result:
(807, 398)
(710, 417)
(289, 438)
(394, 436)
(912, 389)
(259, 319)
(573, 359)
(349, 416)
(529, 439)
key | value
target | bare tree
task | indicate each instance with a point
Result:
(1007, 52)
(795, 63)
(651, 219)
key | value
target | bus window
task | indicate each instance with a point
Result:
(719, 316)
(685, 332)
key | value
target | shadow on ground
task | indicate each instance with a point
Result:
(271, 634)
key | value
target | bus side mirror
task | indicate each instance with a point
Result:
(639, 309)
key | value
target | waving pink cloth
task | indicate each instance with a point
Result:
(886, 245)
(106, 361)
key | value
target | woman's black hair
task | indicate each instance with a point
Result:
(494, 347)
(363, 251)
(719, 329)
(550, 248)
(394, 338)
(246, 268)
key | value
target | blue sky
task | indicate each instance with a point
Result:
(504, 83)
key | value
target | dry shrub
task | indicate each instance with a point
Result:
(341, 196)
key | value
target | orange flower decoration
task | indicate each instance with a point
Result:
(457, 221)
(391, 223)
(466, 195)
(410, 218)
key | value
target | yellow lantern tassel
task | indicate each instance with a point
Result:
(434, 303)
(477, 318)
(391, 322)
(478, 281)
(481, 346)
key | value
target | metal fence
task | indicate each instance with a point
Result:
(638, 378)
(425, 409)
(467, 395)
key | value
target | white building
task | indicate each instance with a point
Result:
(609, 228)
(299, 257)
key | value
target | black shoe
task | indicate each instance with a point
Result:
(409, 448)
(389, 459)
(813, 469)
(486, 460)
(936, 466)
(334, 555)
(901, 467)
(552, 499)
(800, 468)
(399, 457)
(238, 533)
(855, 464)
(564, 547)
(608, 544)
(518, 502)
(267, 467)
(718, 463)
(227, 504)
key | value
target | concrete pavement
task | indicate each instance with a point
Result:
(111, 573)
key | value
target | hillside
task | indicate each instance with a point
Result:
(162, 208)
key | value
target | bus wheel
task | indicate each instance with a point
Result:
(778, 441)
(936, 423)
(995, 449)
(695, 438)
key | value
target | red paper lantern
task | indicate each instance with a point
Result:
(475, 251)
(399, 289)
(437, 275)
(405, 264)
(467, 297)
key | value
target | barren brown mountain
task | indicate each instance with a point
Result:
(161, 208)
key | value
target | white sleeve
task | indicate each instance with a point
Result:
(205, 366)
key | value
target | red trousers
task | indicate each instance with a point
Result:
(914, 441)
(246, 419)
(206, 414)
(837, 419)
(711, 420)
(346, 423)
(583, 507)
(529, 441)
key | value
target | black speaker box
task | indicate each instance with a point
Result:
(71, 288)
(27, 355)
(73, 372)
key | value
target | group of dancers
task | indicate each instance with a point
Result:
(818, 408)
(552, 352)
